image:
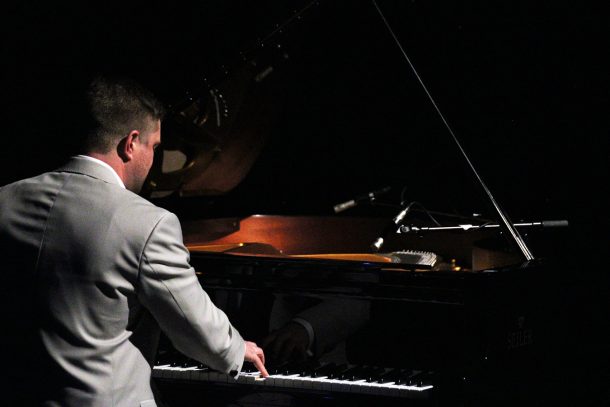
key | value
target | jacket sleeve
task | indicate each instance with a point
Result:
(169, 289)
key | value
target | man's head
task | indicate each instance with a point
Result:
(124, 127)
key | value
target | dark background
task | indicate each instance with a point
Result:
(524, 86)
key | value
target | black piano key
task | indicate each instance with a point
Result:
(413, 379)
(352, 373)
(273, 370)
(361, 374)
(324, 370)
(289, 368)
(248, 367)
(406, 377)
(280, 369)
(189, 363)
(366, 372)
(167, 357)
(336, 373)
(390, 376)
(374, 374)
(162, 360)
(308, 368)
(179, 361)
(420, 379)
(425, 379)
(293, 368)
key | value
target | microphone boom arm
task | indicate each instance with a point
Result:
(468, 227)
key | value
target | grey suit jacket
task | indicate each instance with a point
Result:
(93, 271)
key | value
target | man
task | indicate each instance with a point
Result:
(93, 270)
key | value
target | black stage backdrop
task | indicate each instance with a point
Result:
(524, 85)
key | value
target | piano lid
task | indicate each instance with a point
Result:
(213, 136)
(339, 114)
(345, 115)
(317, 113)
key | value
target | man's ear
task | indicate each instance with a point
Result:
(125, 148)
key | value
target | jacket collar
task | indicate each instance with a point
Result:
(81, 165)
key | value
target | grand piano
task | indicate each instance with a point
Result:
(445, 310)
(454, 333)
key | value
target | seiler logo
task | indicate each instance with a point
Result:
(520, 337)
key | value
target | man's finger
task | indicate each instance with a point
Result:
(261, 354)
(260, 366)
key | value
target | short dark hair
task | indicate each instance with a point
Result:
(116, 106)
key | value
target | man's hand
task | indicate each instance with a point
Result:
(256, 355)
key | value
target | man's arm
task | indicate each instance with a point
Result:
(169, 289)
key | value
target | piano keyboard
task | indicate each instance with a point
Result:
(323, 378)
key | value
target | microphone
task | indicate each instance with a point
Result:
(370, 197)
(391, 227)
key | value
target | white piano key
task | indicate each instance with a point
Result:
(340, 386)
(247, 378)
(159, 371)
(285, 380)
(216, 376)
(317, 382)
(200, 375)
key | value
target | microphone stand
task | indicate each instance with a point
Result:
(468, 227)
(505, 224)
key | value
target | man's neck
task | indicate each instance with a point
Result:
(113, 162)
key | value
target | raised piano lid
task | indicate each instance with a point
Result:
(214, 141)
